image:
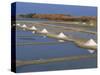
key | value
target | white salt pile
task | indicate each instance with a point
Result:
(90, 43)
(44, 31)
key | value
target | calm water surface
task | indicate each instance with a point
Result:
(32, 52)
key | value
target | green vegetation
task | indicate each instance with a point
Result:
(90, 20)
(26, 15)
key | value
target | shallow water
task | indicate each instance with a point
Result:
(30, 52)
(66, 65)
(81, 35)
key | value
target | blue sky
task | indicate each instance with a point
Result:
(24, 8)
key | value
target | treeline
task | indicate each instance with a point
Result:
(60, 17)
(26, 15)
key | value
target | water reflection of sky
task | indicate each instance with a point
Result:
(32, 52)
(45, 51)
(78, 64)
